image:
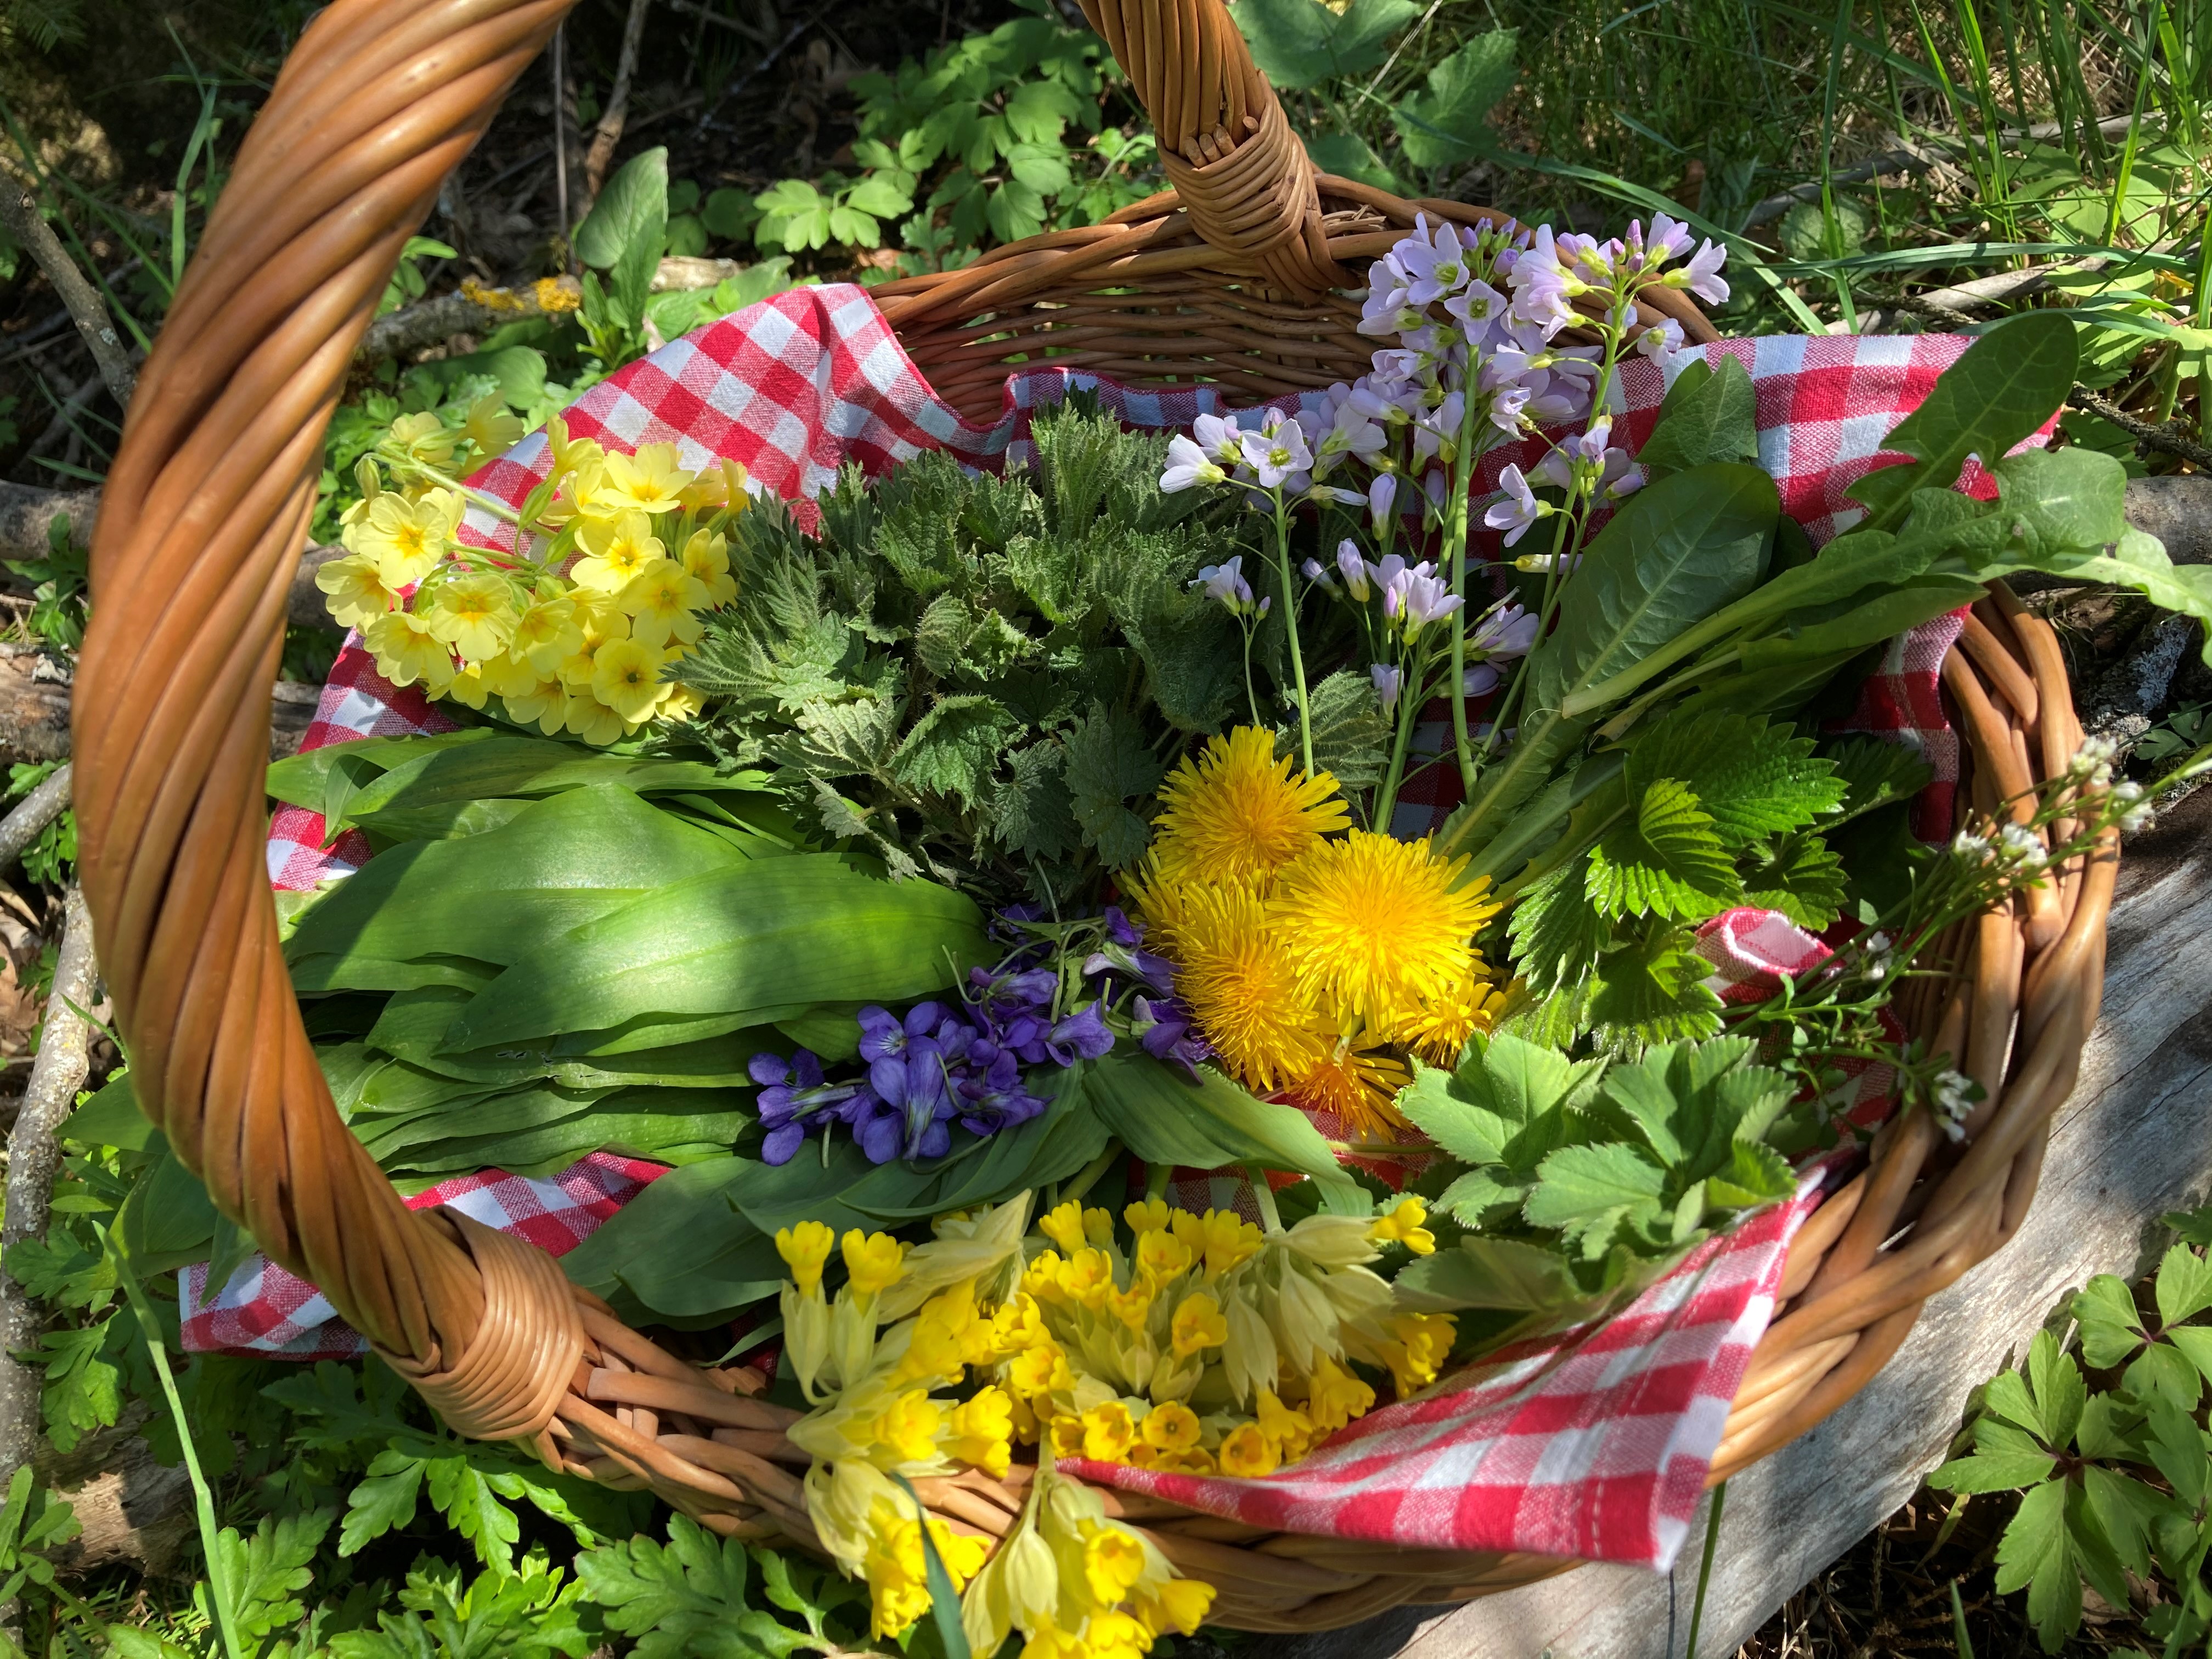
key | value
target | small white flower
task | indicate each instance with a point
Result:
(2023, 843)
(1881, 955)
(2127, 794)
(2137, 821)
(1974, 849)
(2094, 759)
(1954, 1098)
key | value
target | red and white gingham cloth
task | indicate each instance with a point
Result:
(1594, 1444)
(267, 1313)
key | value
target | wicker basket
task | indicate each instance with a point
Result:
(1235, 275)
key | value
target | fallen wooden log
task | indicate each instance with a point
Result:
(34, 708)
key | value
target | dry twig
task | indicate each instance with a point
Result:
(33, 814)
(20, 215)
(609, 132)
(2168, 438)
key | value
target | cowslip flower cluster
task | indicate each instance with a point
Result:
(905, 1327)
(937, 1063)
(576, 630)
(1311, 955)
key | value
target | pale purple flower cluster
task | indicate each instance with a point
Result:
(1507, 633)
(1291, 453)
(1414, 595)
(1224, 583)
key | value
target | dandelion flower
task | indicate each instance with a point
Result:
(1239, 979)
(1373, 926)
(615, 551)
(1356, 1085)
(1236, 813)
(1439, 1028)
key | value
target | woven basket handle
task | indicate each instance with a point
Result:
(1226, 145)
(203, 516)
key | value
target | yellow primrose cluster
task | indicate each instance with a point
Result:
(1313, 954)
(904, 1325)
(618, 554)
(1204, 1345)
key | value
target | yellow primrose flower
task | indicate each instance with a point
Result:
(407, 652)
(1064, 1226)
(1373, 925)
(1335, 1396)
(545, 706)
(651, 481)
(588, 719)
(806, 1251)
(909, 1430)
(570, 455)
(1235, 814)
(873, 1262)
(1113, 1562)
(475, 615)
(659, 600)
(1181, 1604)
(1161, 1256)
(1222, 1237)
(707, 560)
(1146, 1216)
(981, 1431)
(407, 539)
(1108, 1432)
(358, 593)
(1172, 1427)
(1197, 1324)
(424, 437)
(467, 686)
(1402, 1223)
(615, 551)
(626, 677)
(1249, 1454)
(679, 701)
(490, 427)
(550, 631)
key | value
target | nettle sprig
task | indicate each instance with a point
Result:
(1476, 317)
(1833, 1014)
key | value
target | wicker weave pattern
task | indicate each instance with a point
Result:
(207, 508)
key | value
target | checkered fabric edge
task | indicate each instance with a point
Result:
(1594, 1443)
(264, 1312)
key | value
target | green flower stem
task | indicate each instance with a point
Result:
(203, 1498)
(1271, 1219)
(1291, 625)
(1412, 694)
(1455, 542)
(491, 504)
(1251, 697)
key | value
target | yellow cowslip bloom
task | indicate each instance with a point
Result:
(1374, 925)
(1181, 1604)
(1039, 1371)
(1235, 813)
(1424, 1343)
(706, 557)
(490, 427)
(981, 1431)
(1048, 1641)
(1115, 1635)
(1248, 1454)
(941, 1340)
(897, 1569)
(1113, 1562)
(1063, 1225)
(1161, 1256)
(1403, 1224)
(806, 1251)
(407, 539)
(1172, 1427)
(424, 437)
(659, 600)
(651, 481)
(358, 593)
(1132, 1306)
(407, 652)
(1087, 1279)
(1236, 972)
(1041, 1277)
(1017, 1325)
(548, 632)
(474, 614)
(873, 1262)
(1291, 1431)
(1065, 1435)
(1148, 1215)
(1357, 1082)
(1335, 1396)
(909, 1430)
(626, 677)
(1098, 1228)
(1222, 1237)
(1198, 1324)
(615, 551)
(1108, 1432)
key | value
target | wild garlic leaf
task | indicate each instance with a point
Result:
(1710, 415)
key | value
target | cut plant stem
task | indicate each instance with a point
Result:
(1291, 627)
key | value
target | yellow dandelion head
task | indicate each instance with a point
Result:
(1235, 813)
(1438, 1028)
(1358, 1084)
(1373, 925)
(1239, 979)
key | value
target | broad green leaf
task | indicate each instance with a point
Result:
(309, 779)
(735, 943)
(1301, 43)
(502, 897)
(1348, 155)
(383, 1501)
(414, 1024)
(2194, 1342)
(1710, 415)
(2063, 500)
(624, 232)
(2112, 1329)
(1755, 779)
(1109, 764)
(2127, 1513)
(2005, 384)
(1800, 877)
(527, 768)
(1756, 1174)
(1164, 1117)
(1506, 1274)
(1884, 616)
(2163, 1369)
(1987, 1472)
(1350, 739)
(1667, 861)
(1443, 124)
(2179, 1449)
(2034, 1555)
(1484, 1112)
(1557, 932)
(680, 1600)
(2060, 1392)
(1580, 1185)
